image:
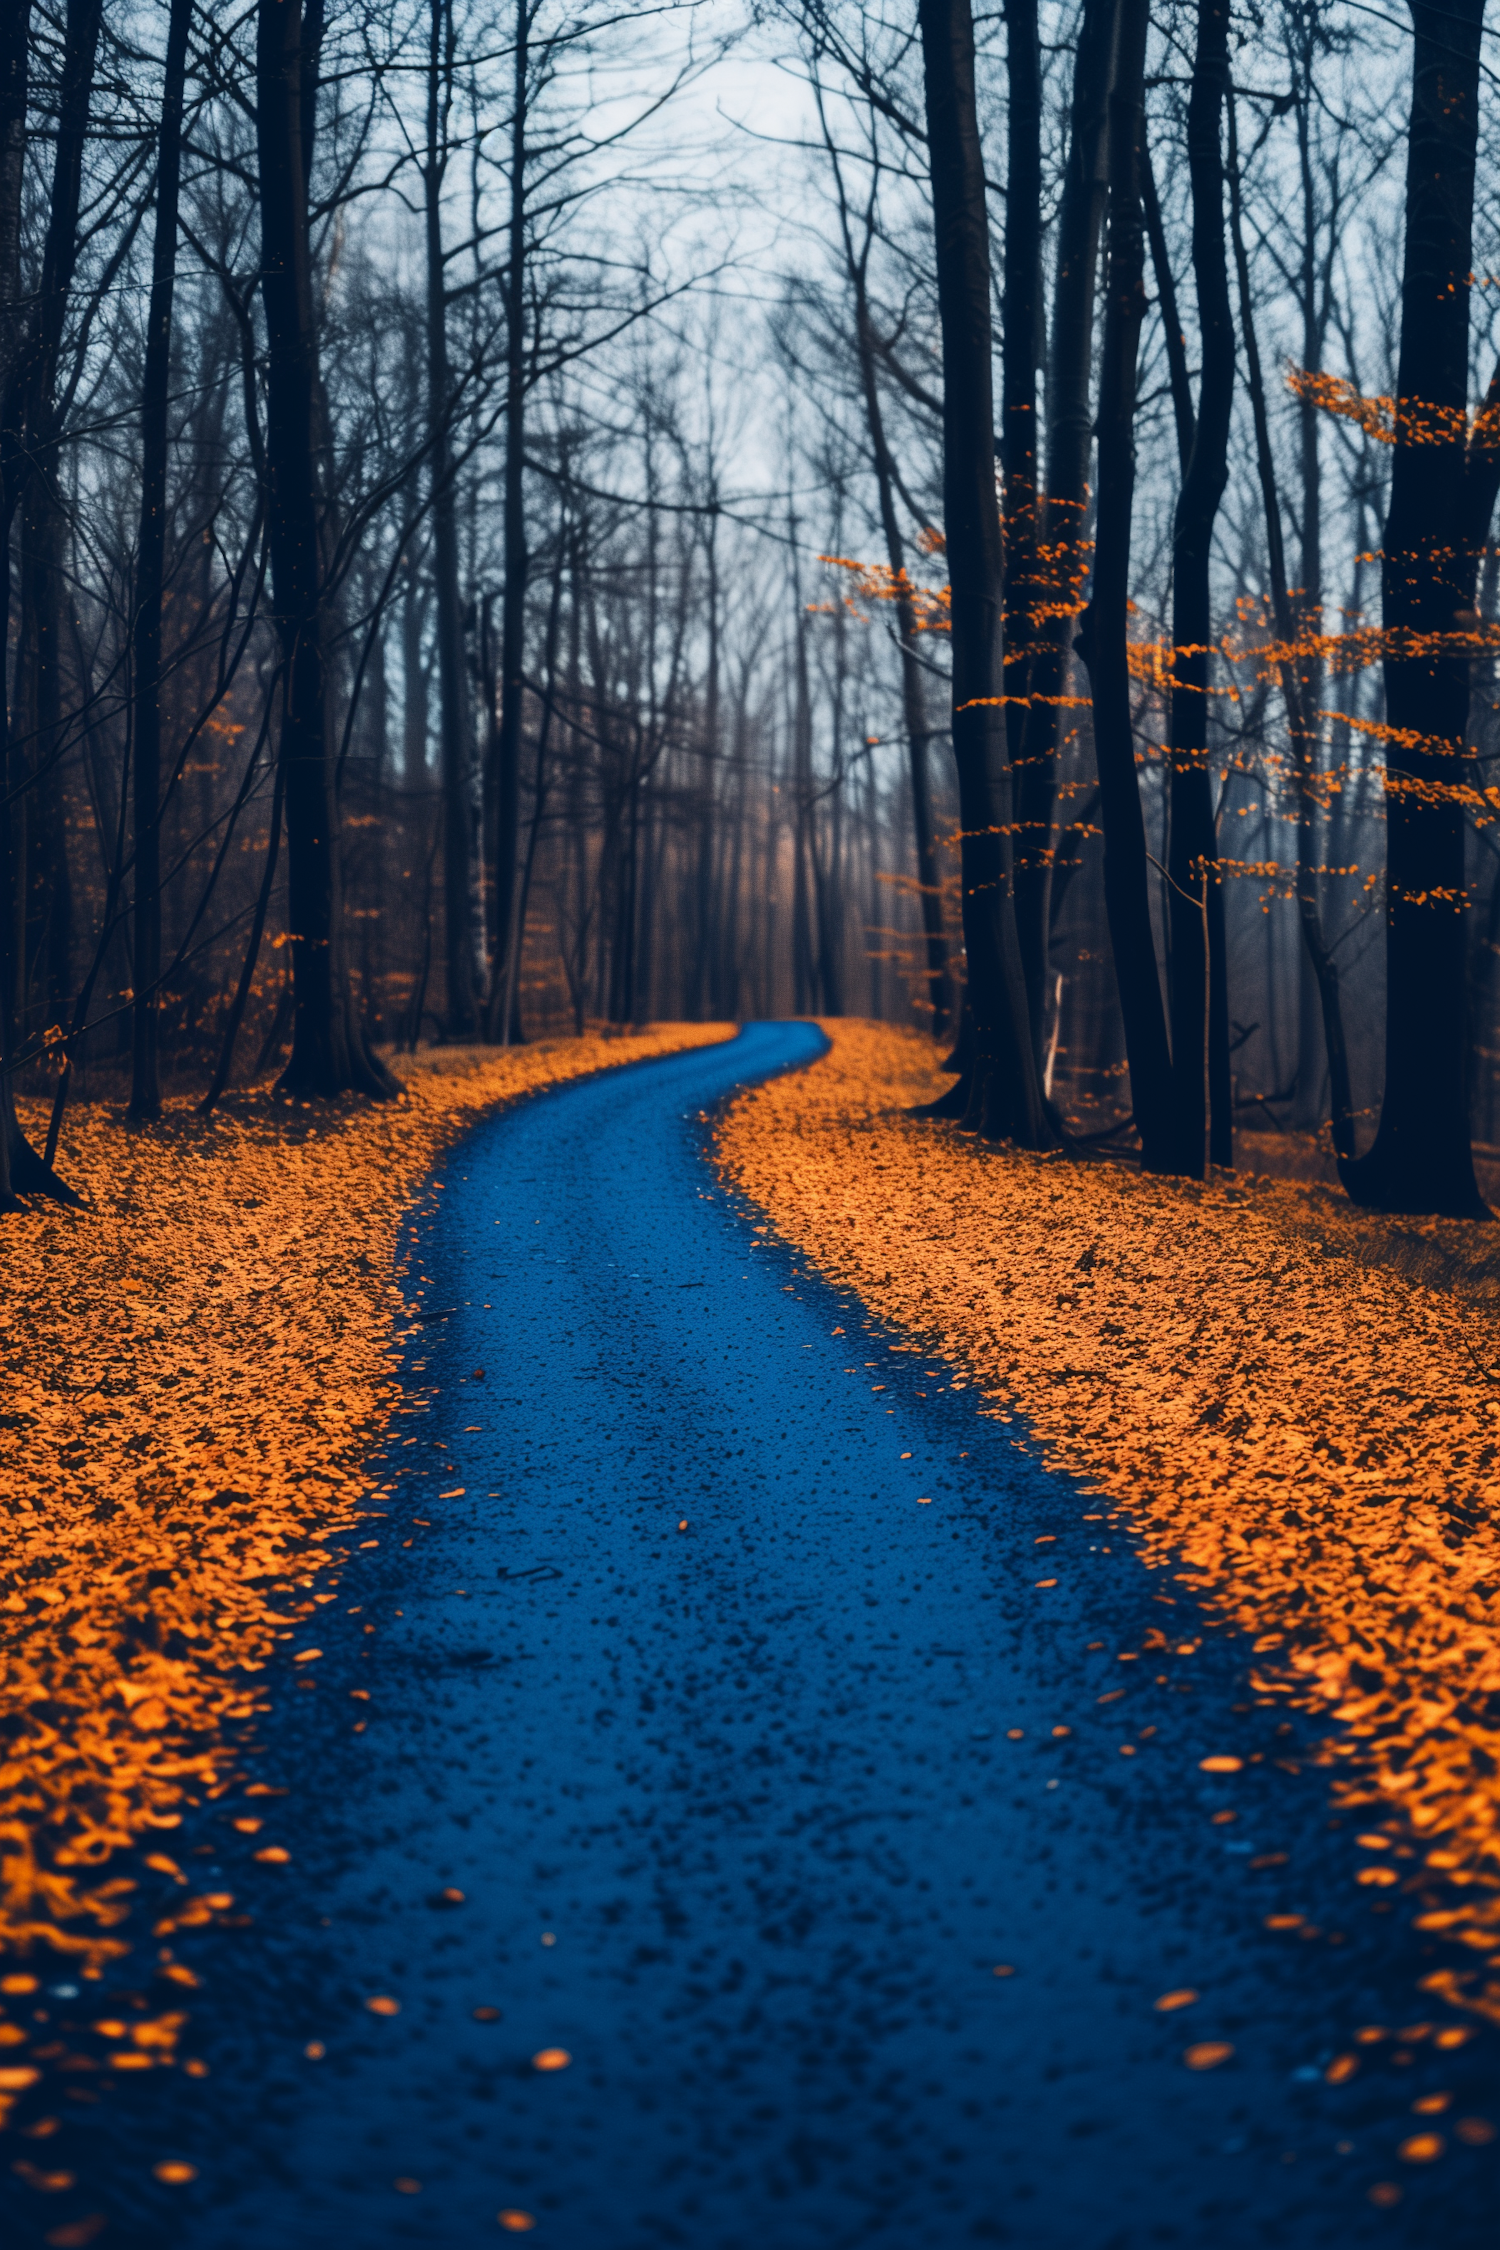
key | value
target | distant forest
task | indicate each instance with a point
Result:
(520, 517)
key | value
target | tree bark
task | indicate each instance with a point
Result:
(32, 344)
(1070, 435)
(1195, 889)
(1421, 1158)
(456, 762)
(1310, 921)
(328, 1055)
(145, 1078)
(1020, 319)
(504, 780)
(913, 698)
(1007, 1097)
(1103, 635)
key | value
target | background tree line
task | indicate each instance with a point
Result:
(519, 516)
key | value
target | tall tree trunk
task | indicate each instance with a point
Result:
(1195, 889)
(1070, 432)
(1020, 332)
(504, 780)
(704, 969)
(913, 699)
(1179, 381)
(328, 1056)
(1421, 1158)
(32, 346)
(1103, 638)
(414, 695)
(150, 571)
(460, 950)
(48, 887)
(1299, 731)
(1311, 1051)
(1007, 1085)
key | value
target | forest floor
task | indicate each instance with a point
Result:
(197, 1366)
(1295, 1403)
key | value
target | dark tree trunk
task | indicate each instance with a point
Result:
(704, 976)
(328, 1055)
(1070, 431)
(414, 696)
(1195, 890)
(504, 780)
(453, 697)
(1179, 381)
(1314, 304)
(804, 983)
(150, 569)
(1007, 1101)
(1421, 1158)
(32, 345)
(48, 892)
(1102, 641)
(1020, 331)
(913, 699)
(1299, 728)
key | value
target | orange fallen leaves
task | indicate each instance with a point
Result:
(1281, 1416)
(46, 2183)
(205, 1361)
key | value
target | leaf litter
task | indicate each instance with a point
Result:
(199, 1369)
(1287, 1400)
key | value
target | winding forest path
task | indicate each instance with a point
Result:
(734, 1694)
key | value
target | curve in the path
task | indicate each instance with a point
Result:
(749, 1691)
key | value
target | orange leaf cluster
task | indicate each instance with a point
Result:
(1392, 421)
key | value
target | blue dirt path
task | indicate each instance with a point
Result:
(749, 1692)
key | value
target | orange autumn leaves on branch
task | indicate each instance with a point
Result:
(1393, 421)
(1251, 658)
